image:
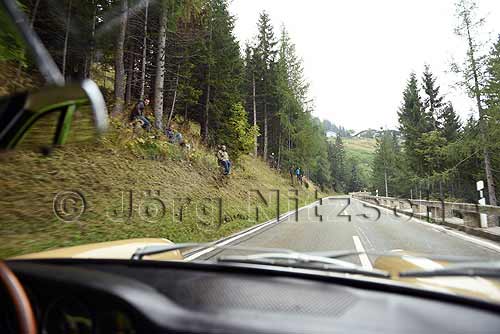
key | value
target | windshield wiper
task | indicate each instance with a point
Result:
(303, 261)
(484, 269)
(159, 249)
(272, 256)
(349, 253)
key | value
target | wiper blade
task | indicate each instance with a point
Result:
(304, 261)
(159, 249)
(484, 269)
(443, 258)
(274, 256)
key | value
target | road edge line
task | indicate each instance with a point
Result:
(232, 238)
(482, 242)
(365, 261)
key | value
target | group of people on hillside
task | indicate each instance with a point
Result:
(138, 114)
(175, 137)
(296, 172)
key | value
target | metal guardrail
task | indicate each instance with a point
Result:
(438, 210)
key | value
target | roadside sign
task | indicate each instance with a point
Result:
(479, 185)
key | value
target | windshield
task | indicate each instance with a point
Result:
(361, 135)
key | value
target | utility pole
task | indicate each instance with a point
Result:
(385, 179)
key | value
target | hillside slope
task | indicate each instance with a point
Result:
(160, 178)
(362, 152)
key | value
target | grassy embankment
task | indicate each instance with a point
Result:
(124, 162)
(361, 151)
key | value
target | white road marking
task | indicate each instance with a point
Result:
(365, 261)
(241, 235)
(437, 228)
(363, 235)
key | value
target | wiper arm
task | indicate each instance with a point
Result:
(159, 249)
(348, 253)
(485, 269)
(304, 261)
(274, 256)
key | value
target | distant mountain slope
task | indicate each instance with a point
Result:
(362, 152)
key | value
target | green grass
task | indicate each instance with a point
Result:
(122, 163)
(362, 151)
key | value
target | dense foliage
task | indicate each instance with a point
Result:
(184, 57)
(437, 156)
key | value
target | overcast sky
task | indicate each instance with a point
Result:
(358, 53)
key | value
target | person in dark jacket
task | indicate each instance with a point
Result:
(291, 171)
(138, 114)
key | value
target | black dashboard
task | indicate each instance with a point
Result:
(99, 296)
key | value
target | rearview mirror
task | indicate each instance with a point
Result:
(52, 116)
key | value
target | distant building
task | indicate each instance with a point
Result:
(331, 134)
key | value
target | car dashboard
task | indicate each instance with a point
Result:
(106, 296)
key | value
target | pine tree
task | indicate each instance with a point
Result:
(265, 57)
(492, 93)
(450, 123)
(433, 102)
(227, 119)
(384, 164)
(355, 183)
(474, 80)
(337, 158)
(413, 122)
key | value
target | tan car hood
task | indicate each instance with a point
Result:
(121, 249)
(477, 287)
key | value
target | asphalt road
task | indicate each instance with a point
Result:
(349, 224)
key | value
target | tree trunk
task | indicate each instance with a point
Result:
(175, 96)
(34, 12)
(32, 22)
(92, 41)
(278, 165)
(119, 65)
(185, 113)
(256, 144)
(66, 38)
(160, 69)
(130, 79)
(204, 125)
(482, 121)
(265, 132)
(144, 50)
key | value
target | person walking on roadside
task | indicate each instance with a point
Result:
(223, 158)
(298, 173)
(138, 114)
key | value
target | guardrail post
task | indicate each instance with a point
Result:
(442, 212)
(492, 221)
(471, 219)
(421, 208)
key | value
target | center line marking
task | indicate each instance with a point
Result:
(365, 261)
